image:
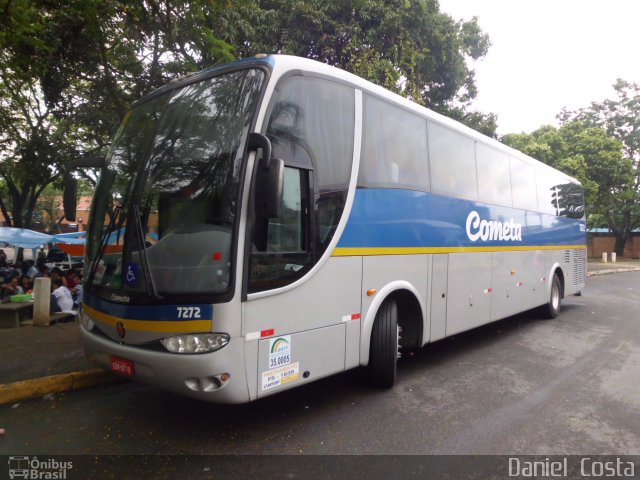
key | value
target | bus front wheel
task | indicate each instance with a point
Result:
(552, 308)
(383, 352)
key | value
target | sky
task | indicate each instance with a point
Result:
(550, 54)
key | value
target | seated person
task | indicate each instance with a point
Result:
(56, 272)
(15, 271)
(72, 279)
(61, 300)
(31, 269)
(43, 271)
(76, 292)
(11, 288)
(26, 283)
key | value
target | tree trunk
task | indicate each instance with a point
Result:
(5, 214)
(621, 241)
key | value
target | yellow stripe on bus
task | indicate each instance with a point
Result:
(366, 251)
(163, 326)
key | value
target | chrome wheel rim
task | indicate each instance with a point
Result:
(555, 296)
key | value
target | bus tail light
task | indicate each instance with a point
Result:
(195, 342)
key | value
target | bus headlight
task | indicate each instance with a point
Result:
(195, 342)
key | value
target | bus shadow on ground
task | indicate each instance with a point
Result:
(347, 387)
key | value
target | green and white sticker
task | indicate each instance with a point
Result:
(279, 351)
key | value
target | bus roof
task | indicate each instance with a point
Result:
(285, 63)
(282, 64)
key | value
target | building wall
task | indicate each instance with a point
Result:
(598, 243)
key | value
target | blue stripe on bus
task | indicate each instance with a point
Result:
(146, 312)
(388, 218)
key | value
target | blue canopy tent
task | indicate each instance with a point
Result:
(24, 238)
(73, 238)
(21, 237)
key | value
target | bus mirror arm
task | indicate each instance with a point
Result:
(257, 140)
(269, 186)
(69, 197)
(269, 183)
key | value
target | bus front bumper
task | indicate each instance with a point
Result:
(214, 377)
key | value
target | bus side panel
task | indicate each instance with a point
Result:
(575, 267)
(469, 287)
(562, 259)
(518, 282)
(409, 272)
(438, 302)
(313, 354)
(579, 271)
(329, 297)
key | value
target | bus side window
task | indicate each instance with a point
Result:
(494, 178)
(523, 184)
(394, 148)
(452, 160)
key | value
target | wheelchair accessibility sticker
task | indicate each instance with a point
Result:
(131, 274)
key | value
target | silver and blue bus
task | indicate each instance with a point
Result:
(270, 222)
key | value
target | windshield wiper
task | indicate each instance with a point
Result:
(142, 248)
(104, 241)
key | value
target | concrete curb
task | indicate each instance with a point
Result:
(37, 387)
(613, 270)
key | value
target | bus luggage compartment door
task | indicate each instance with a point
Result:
(287, 361)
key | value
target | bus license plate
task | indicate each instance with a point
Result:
(122, 366)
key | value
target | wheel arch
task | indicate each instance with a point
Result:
(411, 316)
(556, 269)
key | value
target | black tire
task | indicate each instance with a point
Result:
(383, 351)
(552, 308)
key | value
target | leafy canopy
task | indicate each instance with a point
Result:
(620, 117)
(71, 70)
(591, 155)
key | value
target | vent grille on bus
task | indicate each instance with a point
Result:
(579, 266)
(567, 257)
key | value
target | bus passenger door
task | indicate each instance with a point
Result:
(297, 324)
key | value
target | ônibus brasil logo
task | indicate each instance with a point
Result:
(38, 469)
(478, 229)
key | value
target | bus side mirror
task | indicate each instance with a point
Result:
(269, 187)
(69, 197)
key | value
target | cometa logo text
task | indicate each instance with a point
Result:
(485, 230)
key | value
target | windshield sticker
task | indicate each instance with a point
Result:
(280, 376)
(279, 351)
(131, 277)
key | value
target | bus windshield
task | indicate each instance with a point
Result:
(164, 210)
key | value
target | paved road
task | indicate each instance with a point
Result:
(519, 386)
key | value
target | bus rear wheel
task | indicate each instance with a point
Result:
(552, 308)
(383, 351)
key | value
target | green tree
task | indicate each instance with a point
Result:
(46, 212)
(409, 47)
(596, 159)
(71, 70)
(620, 117)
